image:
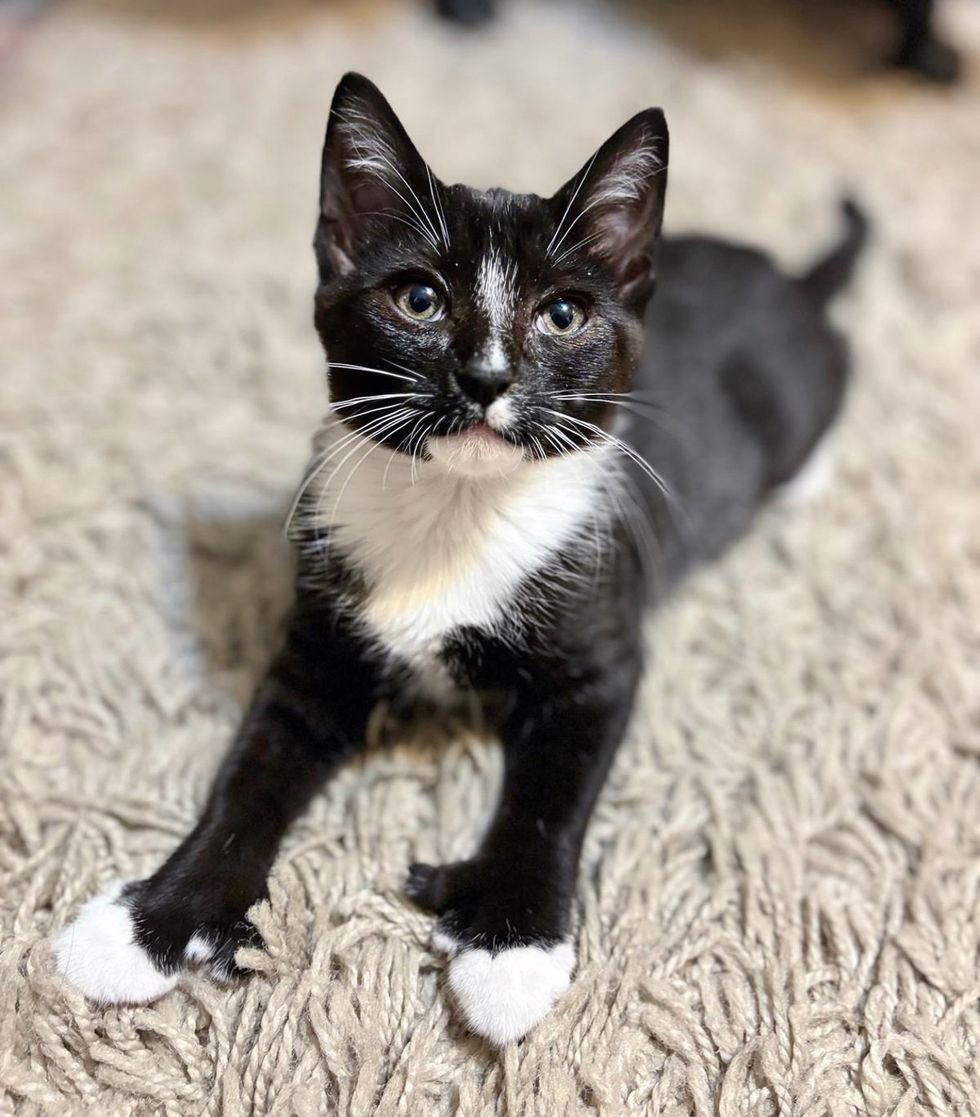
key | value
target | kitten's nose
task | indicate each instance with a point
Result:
(481, 384)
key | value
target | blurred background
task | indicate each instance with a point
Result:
(160, 169)
(796, 816)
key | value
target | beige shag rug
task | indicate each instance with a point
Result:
(779, 904)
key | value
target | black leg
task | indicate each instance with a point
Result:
(505, 914)
(307, 716)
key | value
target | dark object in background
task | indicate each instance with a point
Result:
(919, 50)
(468, 13)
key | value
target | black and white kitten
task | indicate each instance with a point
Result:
(517, 457)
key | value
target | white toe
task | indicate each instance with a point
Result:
(98, 954)
(502, 996)
(199, 949)
(814, 477)
(444, 943)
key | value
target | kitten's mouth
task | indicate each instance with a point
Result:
(476, 451)
(481, 430)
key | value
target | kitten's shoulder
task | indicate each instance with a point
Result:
(710, 260)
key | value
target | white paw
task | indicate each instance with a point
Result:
(814, 477)
(502, 996)
(199, 949)
(98, 954)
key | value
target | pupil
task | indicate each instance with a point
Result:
(420, 299)
(562, 315)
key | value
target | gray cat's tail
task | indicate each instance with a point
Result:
(831, 274)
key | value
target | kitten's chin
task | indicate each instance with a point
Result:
(477, 452)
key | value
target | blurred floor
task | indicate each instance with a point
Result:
(780, 899)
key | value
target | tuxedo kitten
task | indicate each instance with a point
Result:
(517, 457)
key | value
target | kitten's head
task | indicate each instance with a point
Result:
(480, 329)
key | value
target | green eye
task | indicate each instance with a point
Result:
(419, 301)
(561, 318)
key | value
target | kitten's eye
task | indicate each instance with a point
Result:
(561, 318)
(419, 301)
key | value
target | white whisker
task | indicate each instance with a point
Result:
(412, 224)
(577, 218)
(401, 448)
(379, 371)
(421, 212)
(373, 445)
(371, 399)
(579, 244)
(620, 487)
(628, 450)
(322, 460)
(633, 407)
(637, 404)
(371, 151)
(368, 433)
(437, 205)
(411, 433)
(624, 189)
(571, 201)
(635, 394)
(411, 371)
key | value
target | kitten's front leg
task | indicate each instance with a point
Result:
(309, 713)
(506, 913)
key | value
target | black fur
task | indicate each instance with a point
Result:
(735, 375)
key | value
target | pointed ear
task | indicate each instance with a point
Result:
(372, 177)
(613, 208)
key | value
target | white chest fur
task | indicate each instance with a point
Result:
(439, 550)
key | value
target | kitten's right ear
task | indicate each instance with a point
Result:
(370, 173)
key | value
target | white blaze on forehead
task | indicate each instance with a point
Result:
(494, 356)
(496, 293)
(496, 284)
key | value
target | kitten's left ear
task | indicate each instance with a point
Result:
(613, 208)
(373, 181)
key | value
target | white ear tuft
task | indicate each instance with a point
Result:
(372, 179)
(613, 208)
